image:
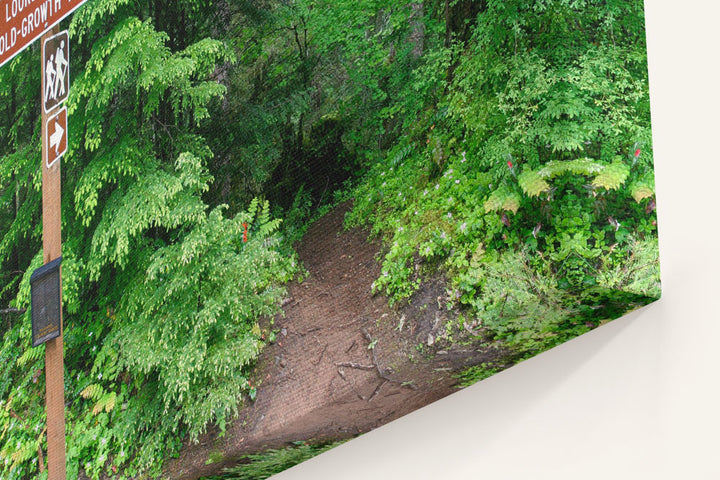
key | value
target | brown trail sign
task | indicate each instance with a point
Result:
(54, 144)
(56, 70)
(21, 23)
(24, 21)
(56, 137)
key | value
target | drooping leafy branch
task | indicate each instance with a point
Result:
(144, 256)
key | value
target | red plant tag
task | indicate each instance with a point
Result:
(245, 226)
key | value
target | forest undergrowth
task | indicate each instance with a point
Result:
(506, 145)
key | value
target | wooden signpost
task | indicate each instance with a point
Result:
(52, 250)
(21, 23)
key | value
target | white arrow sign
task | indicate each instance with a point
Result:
(56, 138)
(56, 135)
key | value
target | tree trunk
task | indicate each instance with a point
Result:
(460, 18)
(417, 37)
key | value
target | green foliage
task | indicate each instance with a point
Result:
(502, 199)
(643, 188)
(476, 373)
(19, 177)
(505, 144)
(532, 183)
(192, 323)
(159, 199)
(529, 180)
(612, 176)
(270, 462)
(579, 166)
(22, 413)
(638, 272)
(144, 255)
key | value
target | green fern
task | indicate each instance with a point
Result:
(532, 183)
(31, 355)
(612, 176)
(209, 291)
(502, 199)
(580, 166)
(643, 188)
(93, 392)
(22, 454)
(106, 402)
(263, 465)
(641, 191)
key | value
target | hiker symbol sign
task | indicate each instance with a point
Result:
(56, 71)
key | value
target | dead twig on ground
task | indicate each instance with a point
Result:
(341, 372)
(355, 365)
(352, 322)
(381, 373)
(377, 390)
(321, 355)
(302, 334)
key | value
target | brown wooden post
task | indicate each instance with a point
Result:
(52, 249)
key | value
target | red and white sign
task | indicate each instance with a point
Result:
(56, 136)
(24, 21)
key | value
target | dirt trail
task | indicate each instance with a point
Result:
(319, 380)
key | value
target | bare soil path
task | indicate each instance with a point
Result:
(320, 380)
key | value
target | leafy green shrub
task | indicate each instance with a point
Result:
(22, 411)
(266, 464)
(476, 373)
(529, 182)
(505, 147)
(141, 250)
(173, 357)
(192, 323)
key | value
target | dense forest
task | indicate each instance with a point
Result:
(501, 146)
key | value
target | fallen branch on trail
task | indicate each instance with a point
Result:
(383, 374)
(377, 390)
(371, 345)
(321, 355)
(355, 365)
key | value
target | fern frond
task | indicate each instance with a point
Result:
(502, 199)
(92, 392)
(612, 176)
(23, 454)
(31, 355)
(532, 183)
(579, 166)
(641, 191)
(106, 402)
(643, 188)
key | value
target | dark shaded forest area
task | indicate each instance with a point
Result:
(503, 147)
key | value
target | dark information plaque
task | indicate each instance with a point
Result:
(45, 302)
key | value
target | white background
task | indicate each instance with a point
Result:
(638, 398)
